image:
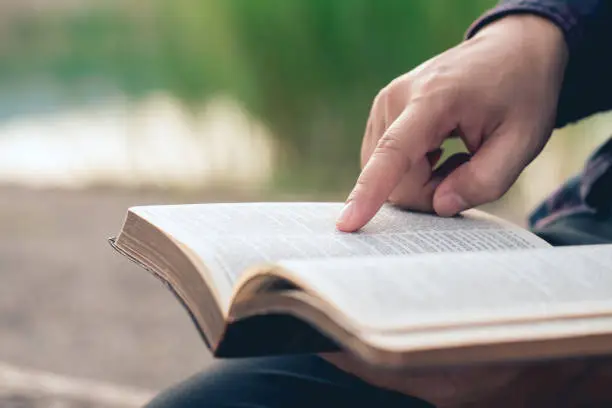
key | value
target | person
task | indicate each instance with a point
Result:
(525, 67)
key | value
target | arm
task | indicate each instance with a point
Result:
(587, 27)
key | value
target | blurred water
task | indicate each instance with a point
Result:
(151, 142)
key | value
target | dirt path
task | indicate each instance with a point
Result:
(70, 305)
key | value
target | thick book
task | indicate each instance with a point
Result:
(409, 289)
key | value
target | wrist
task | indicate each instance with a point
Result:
(537, 35)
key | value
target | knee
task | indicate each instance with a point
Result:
(209, 389)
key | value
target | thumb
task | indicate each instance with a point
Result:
(484, 178)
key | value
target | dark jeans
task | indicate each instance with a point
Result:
(308, 381)
(304, 381)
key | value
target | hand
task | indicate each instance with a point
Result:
(554, 384)
(497, 91)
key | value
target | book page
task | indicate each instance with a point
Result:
(230, 238)
(454, 290)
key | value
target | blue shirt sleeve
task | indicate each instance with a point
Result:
(587, 26)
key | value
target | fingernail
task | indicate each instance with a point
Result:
(345, 214)
(451, 203)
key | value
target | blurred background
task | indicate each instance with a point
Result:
(107, 104)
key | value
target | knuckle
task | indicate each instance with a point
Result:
(390, 142)
(390, 149)
(436, 81)
(438, 92)
(428, 82)
(397, 85)
(381, 97)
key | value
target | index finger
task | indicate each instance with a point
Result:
(407, 140)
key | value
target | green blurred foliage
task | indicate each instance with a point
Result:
(308, 69)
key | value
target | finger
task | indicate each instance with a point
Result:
(366, 149)
(385, 110)
(405, 142)
(485, 177)
(369, 138)
(415, 189)
(394, 104)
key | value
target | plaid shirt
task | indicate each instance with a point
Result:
(587, 89)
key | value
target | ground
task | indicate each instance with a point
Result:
(70, 305)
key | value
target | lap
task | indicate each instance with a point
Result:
(278, 382)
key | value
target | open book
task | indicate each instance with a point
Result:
(409, 289)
